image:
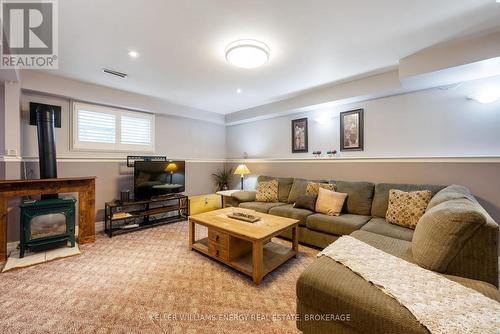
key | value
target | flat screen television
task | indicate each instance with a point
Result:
(158, 178)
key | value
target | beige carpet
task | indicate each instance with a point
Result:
(147, 282)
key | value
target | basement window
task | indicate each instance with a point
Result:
(109, 129)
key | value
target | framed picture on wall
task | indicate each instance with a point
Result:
(351, 130)
(299, 135)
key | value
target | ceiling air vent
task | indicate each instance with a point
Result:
(116, 73)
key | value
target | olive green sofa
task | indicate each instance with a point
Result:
(467, 255)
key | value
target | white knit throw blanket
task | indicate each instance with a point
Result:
(441, 305)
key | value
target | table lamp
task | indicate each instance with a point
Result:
(242, 170)
(171, 168)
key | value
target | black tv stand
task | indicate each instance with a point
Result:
(121, 217)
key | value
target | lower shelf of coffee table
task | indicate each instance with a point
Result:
(274, 255)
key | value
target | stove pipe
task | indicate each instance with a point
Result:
(45, 121)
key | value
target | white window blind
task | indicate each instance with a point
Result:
(135, 130)
(96, 127)
(103, 128)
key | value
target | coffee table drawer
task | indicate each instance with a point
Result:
(218, 237)
(218, 251)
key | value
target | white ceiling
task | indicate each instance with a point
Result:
(312, 43)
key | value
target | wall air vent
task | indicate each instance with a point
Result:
(116, 73)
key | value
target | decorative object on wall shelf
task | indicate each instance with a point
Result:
(299, 136)
(351, 130)
(242, 170)
(222, 177)
(332, 153)
(317, 154)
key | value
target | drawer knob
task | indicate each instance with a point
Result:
(217, 238)
(217, 252)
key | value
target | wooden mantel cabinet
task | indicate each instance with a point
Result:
(84, 186)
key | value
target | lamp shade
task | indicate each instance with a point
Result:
(171, 167)
(242, 170)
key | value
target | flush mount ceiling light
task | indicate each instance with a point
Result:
(247, 53)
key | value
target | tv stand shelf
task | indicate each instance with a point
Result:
(121, 217)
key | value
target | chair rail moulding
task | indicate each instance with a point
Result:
(466, 159)
(109, 159)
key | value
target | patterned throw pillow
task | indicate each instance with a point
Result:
(313, 187)
(267, 191)
(406, 208)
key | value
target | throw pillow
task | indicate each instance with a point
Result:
(306, 202)
(406, 208)
(267, 191)
(313, 187)
(330, 202)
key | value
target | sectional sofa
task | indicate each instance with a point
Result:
(463, 247)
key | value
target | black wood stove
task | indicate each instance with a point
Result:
(49, 221)
(46, 223)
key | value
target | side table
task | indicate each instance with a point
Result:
(226, 197)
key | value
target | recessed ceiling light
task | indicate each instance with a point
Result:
(487, 95)
(133, 54)
(247, 53)
(238, 91)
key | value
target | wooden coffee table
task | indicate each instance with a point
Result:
(246, 247)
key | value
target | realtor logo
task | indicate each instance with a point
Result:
(29, 34)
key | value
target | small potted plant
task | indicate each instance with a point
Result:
(222, 177)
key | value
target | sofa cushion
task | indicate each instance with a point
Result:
(339, 225)
(284, 186)
(289, 211)
(382, 227)
(244, 196)
(443, 231)
(486, 289)
(451, 192)
(406, 208)
(260, 206)
(381, 195)
(359, 196)
(267, 191)
(306, 202)
(393, 246)
(333, 288)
